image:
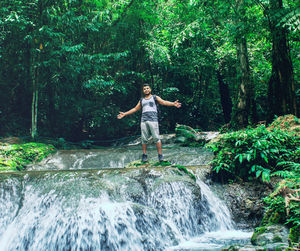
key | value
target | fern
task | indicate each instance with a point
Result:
(289, 18)
(256, 152)
(284, 174)
(290, 164)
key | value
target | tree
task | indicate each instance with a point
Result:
(281, 84)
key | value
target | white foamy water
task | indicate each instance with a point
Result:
(120, 157)
(72, 208)
(214, 240)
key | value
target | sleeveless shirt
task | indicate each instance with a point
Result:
(149, 112)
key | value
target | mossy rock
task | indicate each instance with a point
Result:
(271, 234)
(187, 135)
(150, 163)
(294, 235)
(17, 156)
(158, 164)
(258, 231)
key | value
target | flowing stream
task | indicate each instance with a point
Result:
(86, 200)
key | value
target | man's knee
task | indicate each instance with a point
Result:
(156, 138)
(144, 141)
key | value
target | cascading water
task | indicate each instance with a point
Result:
(119, 157)
(91, 208)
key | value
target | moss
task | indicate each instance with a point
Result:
(182, 168)
(276, 213)
(140, 164)
(188, 136)
(231, 248)
(16, 157)
(258, 231)
(277, 239)
(275, 218)
(294, 235)
(150, 163)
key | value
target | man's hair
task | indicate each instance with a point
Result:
(146, 85)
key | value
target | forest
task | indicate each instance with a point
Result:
(69, 66)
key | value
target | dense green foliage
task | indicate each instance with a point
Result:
(73, 65)
(265, 153)
(283, 205)
(255, 153)
(16, 157)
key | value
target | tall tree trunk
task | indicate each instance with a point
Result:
(281, 92)
(34, 105)
(225, 97)
(243, 104)
(245, 109)
(51, 108)
(35, 91)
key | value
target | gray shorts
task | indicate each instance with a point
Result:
(149, 128)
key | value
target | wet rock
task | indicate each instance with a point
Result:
(185, 135)
(173, 138)
(181, 139)
(209, 136)
(165, 139)
(242, 248)
(270, 247)
(273, 234)
(245, 201)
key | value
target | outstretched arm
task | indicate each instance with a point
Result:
(133, 110)
(168, 103)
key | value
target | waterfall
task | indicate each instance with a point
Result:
(107, 209)
(120, 157)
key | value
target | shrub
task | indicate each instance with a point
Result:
(283, 206)
(254, 153)
(258, 153)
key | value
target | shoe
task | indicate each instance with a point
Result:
(144, 158)
(160, 157)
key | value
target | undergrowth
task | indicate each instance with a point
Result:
(255, 153)
(259, 153)
(16, 157)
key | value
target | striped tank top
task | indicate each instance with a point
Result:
(149, 112)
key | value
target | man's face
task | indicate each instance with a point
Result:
(147, 90)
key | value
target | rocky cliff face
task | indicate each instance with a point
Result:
(245, 201)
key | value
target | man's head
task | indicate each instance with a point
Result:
(146, 89)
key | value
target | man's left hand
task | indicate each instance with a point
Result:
(177, 104)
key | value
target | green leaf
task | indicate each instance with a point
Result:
(258, 173)
(241, 158)
(264, 157)
(248, 157)
(266, 176)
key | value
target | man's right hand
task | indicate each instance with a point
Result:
(121, 115)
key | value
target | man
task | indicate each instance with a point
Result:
(149, 120)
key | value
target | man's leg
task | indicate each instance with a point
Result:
(154, 128)
(145, 137)
(158, 147)
(144, 147)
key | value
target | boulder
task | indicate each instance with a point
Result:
(274, 246)
(270, 235)
(245, 201)
(187, 136)
(165, 139)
